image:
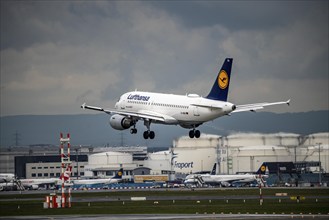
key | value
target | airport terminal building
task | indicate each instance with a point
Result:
(236, 153)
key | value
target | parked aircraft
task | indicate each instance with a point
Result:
(189, 111)
(226, 179)
(117, 178)
(8, 186)
(6, 177)
(37, 182)
(8, 181)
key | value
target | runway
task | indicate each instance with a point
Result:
(171, 217)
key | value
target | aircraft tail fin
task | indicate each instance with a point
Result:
(118, 174)
(262, 169)
(213, 171)
(220, 88)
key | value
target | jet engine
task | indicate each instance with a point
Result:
(120, 122)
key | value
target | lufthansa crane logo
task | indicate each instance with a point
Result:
(119, 173)
(222, 79)
(263, 168)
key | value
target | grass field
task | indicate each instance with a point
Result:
(316, 201)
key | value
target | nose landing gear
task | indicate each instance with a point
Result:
(133, 131)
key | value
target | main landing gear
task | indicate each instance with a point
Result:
(194, 133)
(147, 134)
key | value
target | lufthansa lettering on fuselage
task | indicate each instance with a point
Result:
(139, 97)
(183, 165)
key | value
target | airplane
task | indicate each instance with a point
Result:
(116, 179)
(227, 179)
(23, 184)
(36, 183)
(6, 177)
(7, 181)
(189, 111)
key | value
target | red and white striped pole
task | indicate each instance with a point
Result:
(66, 163)
(63, 170)
(260, 190)
(69, 198)
(69, 166)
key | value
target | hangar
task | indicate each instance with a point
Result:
(245, 152)
(236, 153)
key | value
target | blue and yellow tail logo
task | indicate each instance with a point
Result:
(223, 79)
(119, 174)
(219, 91)
(263, 168)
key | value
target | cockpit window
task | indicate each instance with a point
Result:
(120, 99)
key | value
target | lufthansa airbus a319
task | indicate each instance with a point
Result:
(189, 111)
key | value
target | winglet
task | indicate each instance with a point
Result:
(83, 106)
(288, 102)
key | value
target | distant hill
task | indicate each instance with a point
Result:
(91, 129)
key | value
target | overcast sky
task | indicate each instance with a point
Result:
(55, 55)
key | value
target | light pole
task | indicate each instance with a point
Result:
(320, 181)
(77, 152)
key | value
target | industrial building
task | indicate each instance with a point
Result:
(245, 152)
(236, 153)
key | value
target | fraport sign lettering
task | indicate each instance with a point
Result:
(183, 165)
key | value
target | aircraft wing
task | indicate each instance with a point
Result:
(84, 106)
(142, 114)
(257, 106)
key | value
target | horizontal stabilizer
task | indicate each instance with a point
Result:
(257, 106)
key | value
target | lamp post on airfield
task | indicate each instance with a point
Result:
(77, 152)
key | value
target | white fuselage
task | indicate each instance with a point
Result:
(95, 181)
(6, 177)
(185, 110)
(30, 182)
(207, 178)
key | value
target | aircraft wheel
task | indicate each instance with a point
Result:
(197, 133)
(146, 134)
(191, 133)
(133, 131)
(151, 134)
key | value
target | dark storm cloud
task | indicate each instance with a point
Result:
(56, 55)
(239, 15)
